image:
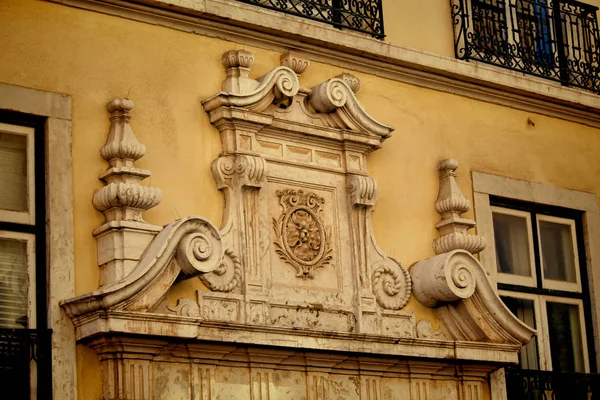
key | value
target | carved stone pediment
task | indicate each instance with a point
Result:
(295, 262)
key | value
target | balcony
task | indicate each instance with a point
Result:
(544, 385)
(364, 16)
(552, 39)
(23, 356)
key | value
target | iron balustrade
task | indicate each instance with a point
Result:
(364, 16)
(552, 39)
(25, 362)
(523, 384)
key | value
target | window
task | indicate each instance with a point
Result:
(24, 337)
(540, 261)
(358, 15)
(553, 39)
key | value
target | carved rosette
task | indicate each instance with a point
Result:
(391, 284)
(302, 240)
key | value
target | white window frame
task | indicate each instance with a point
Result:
(537, 309)
(564, 300)
(514, 279)
(31, 293)
(56, 108)
(554, 284)
(23, 217)
(486, 185)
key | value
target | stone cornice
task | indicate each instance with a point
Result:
(133, 323)
(233, 20)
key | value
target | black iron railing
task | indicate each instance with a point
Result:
(358, 15)
(553, 39)
(25, 362)
(547, 385)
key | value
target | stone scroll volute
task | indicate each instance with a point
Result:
(298, 202)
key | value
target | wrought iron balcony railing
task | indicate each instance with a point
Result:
(25, 363)
(553, 39)
(358, 15)
(522, 384)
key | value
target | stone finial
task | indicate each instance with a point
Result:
(450, 204)
(351, 80)
(237, 64)
(123, 199)
(296, 61)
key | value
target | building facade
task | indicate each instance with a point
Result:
(299, 199)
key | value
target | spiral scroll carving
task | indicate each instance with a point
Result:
(391, 285)
(227, 276)
(199, 252)
(330, 95)
(242, 170)
(445, 278)
(286, 83)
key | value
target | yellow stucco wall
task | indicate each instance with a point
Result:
(423, 25)
(94, 58)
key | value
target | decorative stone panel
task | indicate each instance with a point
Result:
(293, 269)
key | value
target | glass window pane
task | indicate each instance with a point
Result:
(524, 310)
(566, 346)
(13, 283)
(13, 172)
(512, 244)
(558, 255)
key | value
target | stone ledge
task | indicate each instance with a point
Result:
(171, 327)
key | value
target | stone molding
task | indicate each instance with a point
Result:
(56, 108)
(143, 369)
(359, 52)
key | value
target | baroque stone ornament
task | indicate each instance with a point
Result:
(298, 201)
(123, 199)
(302, 240)
(391, 285)
(450, 204)
(456, 285)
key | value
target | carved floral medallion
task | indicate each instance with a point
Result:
(302, 240)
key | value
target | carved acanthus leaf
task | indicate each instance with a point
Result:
(457, 286)
(185, 308)
(243, 170)
(362, 190)
(302, 240)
